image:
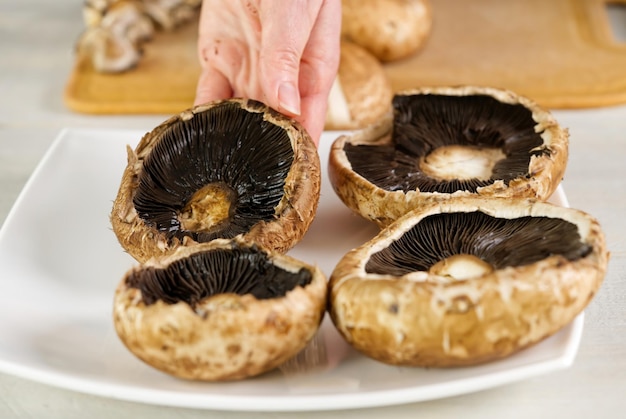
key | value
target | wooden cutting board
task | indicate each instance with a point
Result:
(560, 53)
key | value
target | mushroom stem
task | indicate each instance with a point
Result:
(461, 162)
(462, 266)
(208, 208)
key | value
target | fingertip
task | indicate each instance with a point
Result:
(316, 128)
(289, 98)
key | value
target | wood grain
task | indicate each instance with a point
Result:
(560, 53)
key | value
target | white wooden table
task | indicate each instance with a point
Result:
(36, 41)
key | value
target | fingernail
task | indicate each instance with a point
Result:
(288, 98)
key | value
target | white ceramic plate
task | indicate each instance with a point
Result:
(60, 262)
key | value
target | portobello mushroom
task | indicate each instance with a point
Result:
(225, 169)
(389, 29)
(447, 142)
(224, 310)
(467, 281)
(361, 92)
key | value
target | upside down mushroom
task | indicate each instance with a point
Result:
(445, 142)
(467, 281)
(220, 170)
(224, 310)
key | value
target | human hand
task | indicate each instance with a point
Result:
(284, 53)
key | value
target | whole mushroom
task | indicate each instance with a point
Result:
(224, 310)
(361, 93)
(467, 281)
(220, 170)
(445, 142)
(389, 29)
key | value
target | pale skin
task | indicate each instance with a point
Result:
(284, 53)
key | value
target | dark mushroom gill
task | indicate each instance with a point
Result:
(233, 148)
(498, 241)
(218, 271)
(425, 122)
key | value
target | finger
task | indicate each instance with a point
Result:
(320, 62)
(212, 85)
(286, 29)
(313, 115)
(321, 54)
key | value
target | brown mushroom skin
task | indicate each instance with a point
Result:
(381, 206)
(230, 337)
(293, 214)
(389, 29)
(362, 92)
(430, 323)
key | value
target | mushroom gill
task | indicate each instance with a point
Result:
(244, 270)
(222, 310)
(444, 142)
(427, 124)
(243, 160)
(500, 242)
(467, 281)
(220, 170)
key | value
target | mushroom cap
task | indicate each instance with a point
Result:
(399, 163)
(226, 168)
(361, 93)
(518, 271)
(389, 29)
(225, 310)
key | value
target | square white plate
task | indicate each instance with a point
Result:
(60, 263)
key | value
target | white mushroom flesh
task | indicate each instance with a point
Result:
(461, 162)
